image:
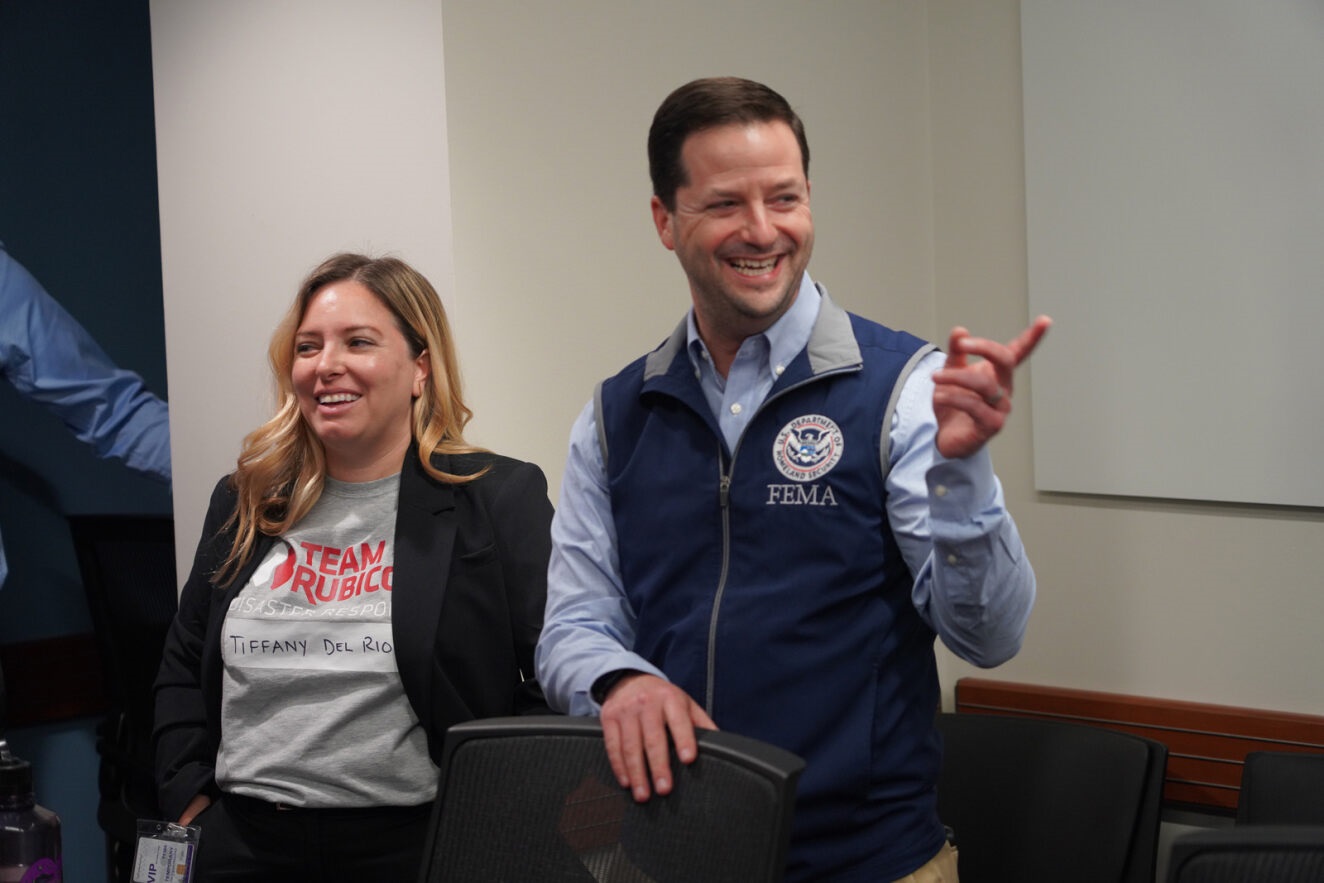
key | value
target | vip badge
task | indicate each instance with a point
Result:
(808, 447)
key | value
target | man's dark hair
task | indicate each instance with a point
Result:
(707, 104)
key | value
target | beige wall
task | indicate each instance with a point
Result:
(913, 112)
(557, 264)
(1203, 602)
(285, 132)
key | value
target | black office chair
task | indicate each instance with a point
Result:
(1032, 800)
(1249, 854)
(533, 800)
(127, 563)
(1281, 788)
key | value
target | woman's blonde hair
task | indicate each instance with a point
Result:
(283, 464)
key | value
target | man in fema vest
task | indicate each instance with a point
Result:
(765, 521)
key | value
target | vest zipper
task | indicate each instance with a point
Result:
(725, 470)
(723, 501)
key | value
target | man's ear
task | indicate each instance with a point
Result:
(662, 219)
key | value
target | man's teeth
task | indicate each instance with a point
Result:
(337, 398)
(753, 268)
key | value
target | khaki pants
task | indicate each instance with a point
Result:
(940, 869)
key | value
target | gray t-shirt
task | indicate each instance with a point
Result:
(313, 712)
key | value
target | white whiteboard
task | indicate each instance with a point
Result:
(1174, 158)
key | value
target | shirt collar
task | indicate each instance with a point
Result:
(785, 339)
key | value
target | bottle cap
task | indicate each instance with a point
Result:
(15, 775)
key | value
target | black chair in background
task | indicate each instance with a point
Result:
(1032, 800)
(127, 563)
(1281, 788)
(1249, 854)
(533, 800)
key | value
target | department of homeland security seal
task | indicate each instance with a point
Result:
(808, 447)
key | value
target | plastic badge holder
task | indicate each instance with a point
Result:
(165, 852)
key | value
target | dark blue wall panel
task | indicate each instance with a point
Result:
(78, 207)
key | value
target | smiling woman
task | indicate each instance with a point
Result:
(356, 377)
(365, 579)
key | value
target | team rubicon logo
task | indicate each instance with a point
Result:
(328, 573)
(808, 447)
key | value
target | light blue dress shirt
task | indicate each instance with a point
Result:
(49, 358)
(973, 583)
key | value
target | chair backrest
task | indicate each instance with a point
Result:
(1249, 854)
(534, 799)
(1046, 800)
(127, 563)
(1282, 788)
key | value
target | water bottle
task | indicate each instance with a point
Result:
(29, 834)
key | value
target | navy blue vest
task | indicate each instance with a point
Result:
(767, 584)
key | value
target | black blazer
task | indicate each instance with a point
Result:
(468, 592)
